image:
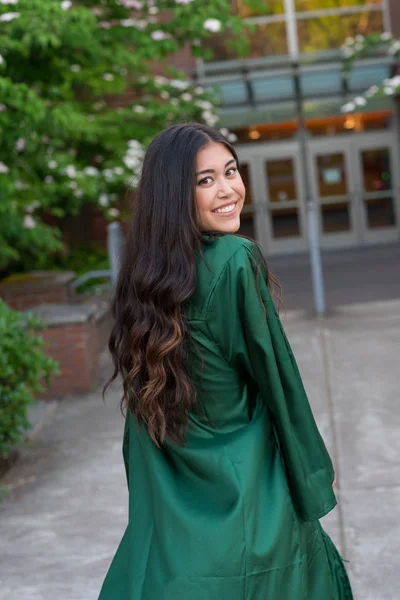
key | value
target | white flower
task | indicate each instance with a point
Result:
(118, 171)
(75, 68)
(134, 144)
(32, 207)
(213, 25)
(20, 144)
(108, 76)
(183, 1)
(49, 179)
(103, 200)
(360, 101)
(204, 104)
(371, 91)
(131, 4)
(20, 185)
(153, 10)
(73, 185)
(187, 97)
(128, 22)
(1, 59)
(91, 171)
(159, 35)
(78, 193)
(395, 80)
(348, 52)
(395, 47)
(130, 162)
(66, 4)
(359, 38)
(9, 16)
(52, 164)
(160, 80)
(113, 212)
(224, 131)
(349, 107)
(70, 171)
(108, 174)
(386, 36)
(164, 95)
(3, 107)
(349, 41)
(199, 90)
(3, 168)
(29, 222)
(139, 109)
(389, 91)
(179, 84)
(232, 137)
(8, 1)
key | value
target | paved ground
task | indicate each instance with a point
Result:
(351, 276)
(64, 503)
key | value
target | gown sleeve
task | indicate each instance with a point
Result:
(244, 323)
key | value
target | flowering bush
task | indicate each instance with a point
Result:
(361, 46)
(79, 103)
(23, 367)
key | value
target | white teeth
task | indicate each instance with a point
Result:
(226, 209)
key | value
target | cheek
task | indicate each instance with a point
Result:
(240, 189)
(203, 199)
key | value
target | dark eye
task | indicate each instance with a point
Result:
(231, 171)
(205, 180)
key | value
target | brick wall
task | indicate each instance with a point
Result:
(36, 288)
(77, 347)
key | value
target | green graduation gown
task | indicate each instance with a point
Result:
(232, 515)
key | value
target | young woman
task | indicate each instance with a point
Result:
(227, 472)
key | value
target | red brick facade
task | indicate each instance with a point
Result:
(22, 292)
(77, 347)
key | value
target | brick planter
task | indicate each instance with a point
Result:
(26, 290)
(75, 335)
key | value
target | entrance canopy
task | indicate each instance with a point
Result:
(265, 90)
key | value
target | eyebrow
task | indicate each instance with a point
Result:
(233, 160)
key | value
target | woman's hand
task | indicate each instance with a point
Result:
(334, 483)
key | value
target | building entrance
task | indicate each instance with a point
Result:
(354, 179)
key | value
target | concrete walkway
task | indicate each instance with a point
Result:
(65, 505)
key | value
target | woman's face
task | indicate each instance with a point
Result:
(219, 189)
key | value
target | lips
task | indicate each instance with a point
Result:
(223, 205)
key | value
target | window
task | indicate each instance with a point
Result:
(310, 5)
(324, 33)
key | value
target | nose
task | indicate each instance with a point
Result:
(225, 189)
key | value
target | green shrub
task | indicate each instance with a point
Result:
(23, 369)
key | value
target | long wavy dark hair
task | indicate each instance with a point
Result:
(158, 273)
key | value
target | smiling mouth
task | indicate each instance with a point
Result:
(226, 210)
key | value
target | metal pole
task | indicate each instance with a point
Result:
(114, 244)
(311, 206)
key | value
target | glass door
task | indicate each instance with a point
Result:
(284, 203)
(273, 212)
(378, 189)
(334, 188)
